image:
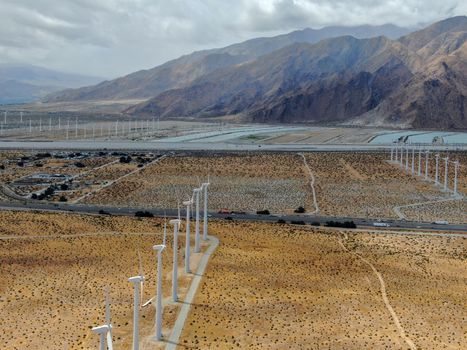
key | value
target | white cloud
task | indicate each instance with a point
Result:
(114, 37)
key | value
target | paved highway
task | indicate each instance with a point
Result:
(91, 145)
(308, 219)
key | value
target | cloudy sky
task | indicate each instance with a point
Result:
(109, 38)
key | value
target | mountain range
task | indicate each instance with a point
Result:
(341, 75)
(20, 83)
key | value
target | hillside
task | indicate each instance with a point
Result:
(418, 80)
(26, 83)
(183, 71)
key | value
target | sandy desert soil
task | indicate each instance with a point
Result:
(453, 211)
(365, 184)
(347, 184)
(53, 286)
(238, 182)
(267, 285)
(277, 287)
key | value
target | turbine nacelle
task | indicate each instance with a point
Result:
(136, 279)
(101, 329)
(159, 247)
(175, 222)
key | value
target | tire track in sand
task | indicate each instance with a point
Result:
(384, 295)
(312, 184)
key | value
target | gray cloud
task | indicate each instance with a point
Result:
(114, 37)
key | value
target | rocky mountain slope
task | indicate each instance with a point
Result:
(418, 80)
(183, 71)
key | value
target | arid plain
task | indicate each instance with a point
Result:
(267, 285)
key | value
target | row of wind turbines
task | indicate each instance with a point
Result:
(73, 129)
(105, 331)
(404, 155)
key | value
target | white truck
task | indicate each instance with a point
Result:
(380, 224)
(441, 222)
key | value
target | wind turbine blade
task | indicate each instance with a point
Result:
(141, 274)
(109, 341)
(107, 306)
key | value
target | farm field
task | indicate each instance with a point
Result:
(271, 286)
(53, 286)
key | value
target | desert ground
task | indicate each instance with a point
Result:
(351, 184)
(276, 287)
(266, 286)
(345, 183)
(239, 182)
(54, 269)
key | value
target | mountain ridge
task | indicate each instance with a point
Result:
(182, 71)
(418, 80)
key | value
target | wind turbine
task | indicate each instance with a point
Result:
(165, 231)
(105, 331)
(140, 271)
(205, 186)
(187, 236)
(196, 192)
(159, 249)
(102, 331)
(136, 280)
(107, 319)
(176, 224)
(446, 163)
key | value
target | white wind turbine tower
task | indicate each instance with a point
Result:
(107, 320)
(140, 271)
(136, 280)
(165, 231)
(21, 117)
(402, 154)
(187, 236)
(407, 158)
(196, 192)
(419, 161)
(446, 163)
(427, 155)
(436, 169)
(159, 249)
(205, 186)
(176, 224)
(413, 161)
(105, 331)
(102, 331)
(456, 169)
